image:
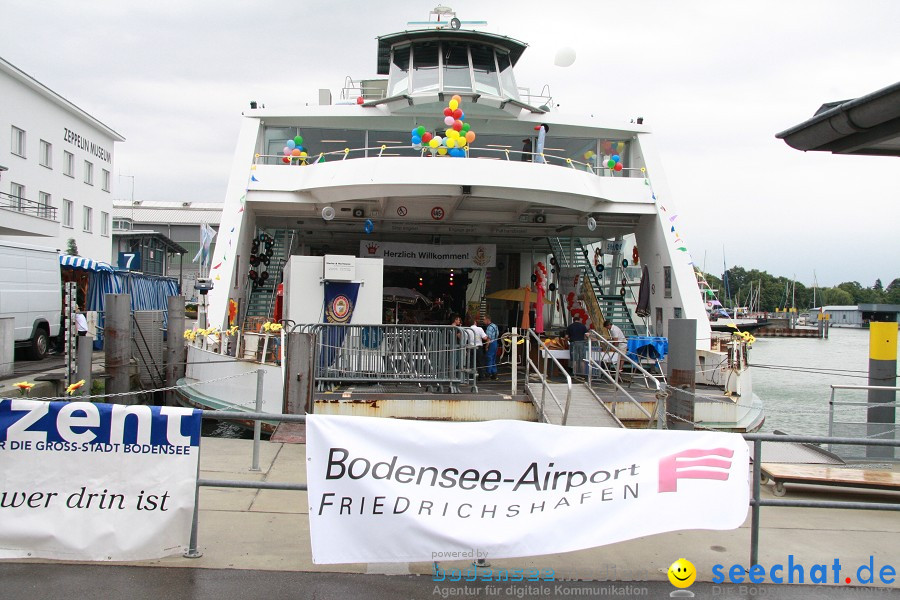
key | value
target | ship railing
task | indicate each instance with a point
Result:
(606, 360)
(430, 355)
(755, 502)
(531, 337)
(423, 150)
(853, 418)
(355, 89)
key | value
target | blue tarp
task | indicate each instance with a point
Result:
(148, 292)
(647, 347)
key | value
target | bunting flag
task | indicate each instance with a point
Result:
(217, 266)
(207, 234)
(253, 178)
(672, 218)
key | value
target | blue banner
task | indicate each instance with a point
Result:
(340, 300)
(83, 424)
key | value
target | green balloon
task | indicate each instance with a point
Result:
(466, 127)
(420, 130)
(610, 163)
(298, 139)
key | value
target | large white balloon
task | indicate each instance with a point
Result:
(565, 57)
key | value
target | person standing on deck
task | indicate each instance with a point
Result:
(493, 334)
(576, 333)
(617, 338)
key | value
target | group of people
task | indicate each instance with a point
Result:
(485, 340)
(576, 333)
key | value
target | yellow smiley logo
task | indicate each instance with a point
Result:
(682, 573)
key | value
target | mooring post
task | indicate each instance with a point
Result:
(880, 418)
(175, 355)
(117, 345)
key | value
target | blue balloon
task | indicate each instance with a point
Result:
(616, 157)
(369, 226)
(290, 144)
(415, 131)
(462, 117)
(416, 140)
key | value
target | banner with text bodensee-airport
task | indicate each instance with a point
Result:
(85, 481)
(384, 490)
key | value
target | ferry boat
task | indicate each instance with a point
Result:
(442, 175)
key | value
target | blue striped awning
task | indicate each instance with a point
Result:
(78, 262)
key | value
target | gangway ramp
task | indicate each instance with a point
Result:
(585, 410)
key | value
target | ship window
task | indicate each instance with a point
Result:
(426, 63)
(399, 77)
(457, 77)
(507, 79)
(486, 78)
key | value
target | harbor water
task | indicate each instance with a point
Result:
(793, 377)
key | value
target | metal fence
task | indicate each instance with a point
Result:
(850, 418)
(432, 355)
(756, 502)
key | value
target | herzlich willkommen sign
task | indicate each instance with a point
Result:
(86, 481)
(384, 490)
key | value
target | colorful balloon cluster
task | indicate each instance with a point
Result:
(614, 162)
(575, 309)
(293, 150)
(540, 276)
(613, 151)
(456, 137)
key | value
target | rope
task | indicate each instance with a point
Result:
(121, 394)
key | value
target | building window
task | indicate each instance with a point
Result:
(88, 219)
(18, 141)
(46, 154)
(17, 195)
(46, 202)
(104, 224)
(667, 282)
(121, 224)
(105, 181)
(68, 208)
(89, 172)
(68, 163)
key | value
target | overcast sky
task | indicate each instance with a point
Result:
(714, 79)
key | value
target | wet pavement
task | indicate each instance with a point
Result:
(35, 581)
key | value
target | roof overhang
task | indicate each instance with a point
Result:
(170, 245)
(869, 125)
(385, 42)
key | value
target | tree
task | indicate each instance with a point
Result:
(71, 247)
(837, 297)
(878, 285)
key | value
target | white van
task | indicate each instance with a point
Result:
(31, 291)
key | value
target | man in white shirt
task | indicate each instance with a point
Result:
(617, 338)
(480, 338)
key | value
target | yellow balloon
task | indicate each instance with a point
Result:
(452, 133)
(454, 104)
(460, 141)
(442, 151)
(448, 133)
(433, 143)
(451, 143)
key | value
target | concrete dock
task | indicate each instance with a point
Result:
(268, 530)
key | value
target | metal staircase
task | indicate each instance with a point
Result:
(600, 306)
(261, 301)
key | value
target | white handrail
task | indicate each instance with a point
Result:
(544, 387)
(606, 346)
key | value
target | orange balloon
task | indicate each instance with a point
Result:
(470, 136)
(458, 98)
(295, 152)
